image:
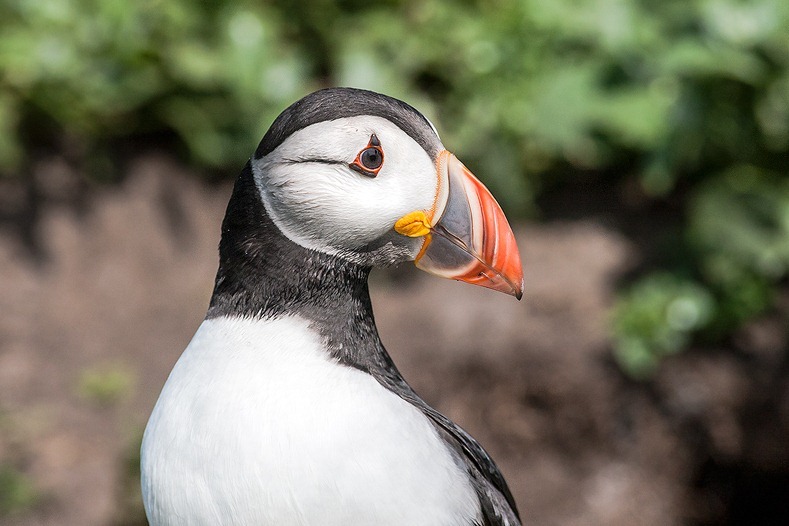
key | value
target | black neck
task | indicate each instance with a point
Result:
(263, 274)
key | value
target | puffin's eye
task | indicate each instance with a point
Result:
(369, 160)
(372, 158)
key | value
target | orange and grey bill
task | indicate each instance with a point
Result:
(467, 237)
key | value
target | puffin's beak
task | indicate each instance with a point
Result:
(467, 237)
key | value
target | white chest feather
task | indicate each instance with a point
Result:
(258, 426)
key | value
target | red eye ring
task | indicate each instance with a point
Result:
(369, 161)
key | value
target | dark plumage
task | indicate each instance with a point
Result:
(337, 103)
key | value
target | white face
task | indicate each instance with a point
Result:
(319, 202)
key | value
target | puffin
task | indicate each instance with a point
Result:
(285, 408)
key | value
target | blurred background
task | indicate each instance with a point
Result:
(640, 147)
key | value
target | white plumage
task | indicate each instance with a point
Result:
(319, 207)
(258, 425)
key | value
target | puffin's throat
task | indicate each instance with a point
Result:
(263, 274)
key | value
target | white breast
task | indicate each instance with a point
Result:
(257, 425)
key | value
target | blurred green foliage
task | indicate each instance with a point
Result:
(105, 386)
(656, 318)
(17, 493)
(688, 100)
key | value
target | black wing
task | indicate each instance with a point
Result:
(498, 506)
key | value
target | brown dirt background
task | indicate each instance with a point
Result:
(113, 280)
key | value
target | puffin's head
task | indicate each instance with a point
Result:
(365, 177)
